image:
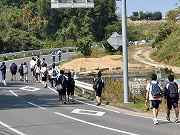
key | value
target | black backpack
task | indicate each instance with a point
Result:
(71, 82)
(13, 67)
(38, 62)
(173, 91)
(21, 69)
(61, 84)
(97, 84)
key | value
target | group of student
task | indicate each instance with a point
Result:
(154, 94)
(64, 85)
(59, 53)
(23, 71)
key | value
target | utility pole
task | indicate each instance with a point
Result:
(125, 51)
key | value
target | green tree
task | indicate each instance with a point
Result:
(84, 46)
(172, 14)
(142, 15)
(157, 15)
(135, 16)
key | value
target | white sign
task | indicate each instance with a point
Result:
(32, 89)
(72, 4)
(115, 40)
(88, 112)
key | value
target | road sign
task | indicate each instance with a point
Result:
(28, 88)
(72, 4)
(88, 112)
(115, 40)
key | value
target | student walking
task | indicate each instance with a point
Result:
(13, 69)
(70, 87)
(54, 73)
(43, 62)
(98, 85)
(59, 54)
(154, 94)
(61, 86)
(53, 56)
(37, 72)
(21, 72)
(171, 96)
(44, 74)
(25, 69)
(32, 66)
(3, 72)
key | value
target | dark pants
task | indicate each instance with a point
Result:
(53, 81)
(53, 58)
(59, 58)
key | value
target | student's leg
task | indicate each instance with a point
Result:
(169, 107)
(38, 77)
(155, 106)
(68, 94)
(155, 112)
(177, 112)
(72, 95)
(14, 76)
(45, 83)
(175, 105)
(60, 95)
(168, 113)
(52, 79)
(11, 76)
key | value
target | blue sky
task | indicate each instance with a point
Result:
(148, 5)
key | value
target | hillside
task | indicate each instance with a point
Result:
(167, 50)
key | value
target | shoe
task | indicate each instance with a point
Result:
(176, 121)
(168, 119)
(65, 102)
(98, 104)
(73, 102)
(155, 121)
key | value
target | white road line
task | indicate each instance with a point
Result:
(10, 128)
(36, 105)
(88, 112)
(96, 125)
(52, 89)
(97, 106)
(87, 103)
(14, 93)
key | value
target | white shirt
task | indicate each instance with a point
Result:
(32, 63)
(149, 88)
(38, 69)
(43, 69)
(51, 71)
(59, 53)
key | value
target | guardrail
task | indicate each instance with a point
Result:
(36, 51)
(84, 86)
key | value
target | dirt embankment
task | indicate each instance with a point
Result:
(140, 54)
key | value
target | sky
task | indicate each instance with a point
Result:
(148, 5)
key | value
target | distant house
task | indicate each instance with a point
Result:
(178, 17)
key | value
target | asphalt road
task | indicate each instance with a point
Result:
(30, 109)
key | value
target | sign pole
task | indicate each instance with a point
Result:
(125, 51)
